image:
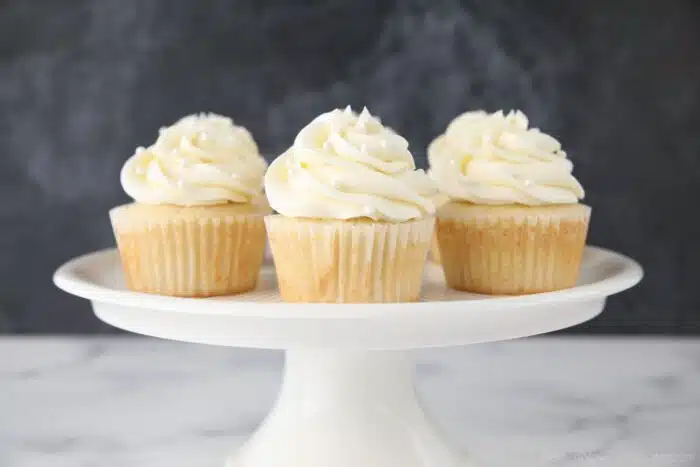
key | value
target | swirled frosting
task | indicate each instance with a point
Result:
(201, 159)
(496, 159)
(343, 166)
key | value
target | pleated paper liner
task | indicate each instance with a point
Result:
(353, 261)
(434, 252)
(439, 200)
(511, 250)
(190, 251)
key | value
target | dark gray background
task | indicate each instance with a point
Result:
(82, 83)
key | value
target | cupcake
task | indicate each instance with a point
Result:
(514, 224)
(355, 216)
(196, 227)
(434, 252)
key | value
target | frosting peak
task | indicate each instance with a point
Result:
(497, 159)
(201, 159)
(343, 165)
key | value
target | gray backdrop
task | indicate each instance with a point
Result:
(82, 83)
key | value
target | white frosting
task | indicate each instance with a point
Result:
(343, 166)
(201, 159)
(496, 159)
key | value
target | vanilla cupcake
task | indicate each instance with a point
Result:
(196, 227)
(355, 216)
(514, 224)
(434, 251)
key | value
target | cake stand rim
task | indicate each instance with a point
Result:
(68, 278)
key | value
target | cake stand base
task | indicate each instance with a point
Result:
(347, 409)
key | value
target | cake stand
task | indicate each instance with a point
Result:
(348, 398)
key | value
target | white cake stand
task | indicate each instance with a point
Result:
(348, 398)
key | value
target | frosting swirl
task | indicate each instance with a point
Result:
(342, 166)
(496, 159)
(201, 159)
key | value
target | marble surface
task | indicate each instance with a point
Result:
(560, 401)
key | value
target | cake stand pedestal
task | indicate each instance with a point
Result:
(347, 409)
(348, 398)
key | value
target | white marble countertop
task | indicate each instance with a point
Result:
(136, 402)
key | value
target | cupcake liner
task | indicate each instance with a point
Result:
(171, 251)
(511, 250)
(353, 261)
(434, 252)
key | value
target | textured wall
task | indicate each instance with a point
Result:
(82, 83)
